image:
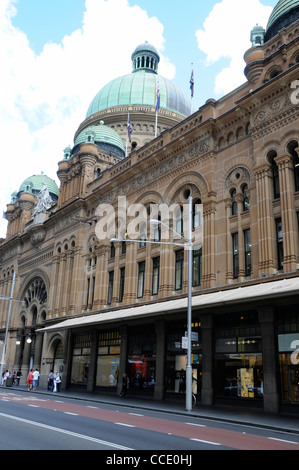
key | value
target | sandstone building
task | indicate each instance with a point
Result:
(95, 309)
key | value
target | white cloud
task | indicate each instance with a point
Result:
(226, 35)
(44, 98)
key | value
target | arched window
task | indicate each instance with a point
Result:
(275, 175)
(196, 214)
(246, 205)
(234, 202)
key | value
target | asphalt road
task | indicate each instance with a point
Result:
(32, 421)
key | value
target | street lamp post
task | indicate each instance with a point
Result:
(189, 245)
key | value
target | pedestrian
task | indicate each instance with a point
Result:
(29, 380)
(5, 375)
(51, 381)
(18, 377)
(35, 379)
(124, 389)
(14, 376)
(57, 382)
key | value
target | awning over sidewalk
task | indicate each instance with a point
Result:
(266, 290)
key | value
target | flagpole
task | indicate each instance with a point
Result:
(157, 109)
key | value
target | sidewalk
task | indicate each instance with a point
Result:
(229, 414)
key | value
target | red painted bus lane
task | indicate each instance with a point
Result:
(211, 435)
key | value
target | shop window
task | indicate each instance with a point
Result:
(108, 359)
(247, 252)
(238, 357)
(121, 284)
(179, 269)
(110, 287)
(279, 243)
(156, 276)
(141, 277)
(142, 358)
(175, 365)
(196, 275)
(235, 241)
(288, 341)
(80, 359)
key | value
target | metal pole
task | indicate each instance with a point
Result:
(7, 324)
(189, 312)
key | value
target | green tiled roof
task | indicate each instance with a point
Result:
(282, 7)
(140, 88)
(284, 14)
(35, 182)
(100, 134)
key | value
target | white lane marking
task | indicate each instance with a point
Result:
(69, 413)
(34, 406)
(127, 425)
(282, 440)
(194, 424)
(93, 407)
(63, 431)
(135, 414)
(206, 442)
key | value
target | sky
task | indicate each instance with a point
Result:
(56, 55)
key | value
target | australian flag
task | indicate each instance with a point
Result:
(192, 84)
(129, 128)
(158, 99)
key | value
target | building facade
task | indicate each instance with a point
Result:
(96, 309)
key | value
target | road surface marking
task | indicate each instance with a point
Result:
(206, 442)
(127, 425)
(199, 425)
(64, 431)
(135, 414)
(282, 440)
(69, 413)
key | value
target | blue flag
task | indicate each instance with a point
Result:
(158, 99)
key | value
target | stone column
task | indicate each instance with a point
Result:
(265, 222)
(209, 244)
(123, 330)
(160, 360)
(270, 359)
(38, 350)
(288, 213)
(207, 391)
(229, 252)
(91, 382)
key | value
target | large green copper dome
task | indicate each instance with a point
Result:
(284, 13)
(34, 184)
(140, 87)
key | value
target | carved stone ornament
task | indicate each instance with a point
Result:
(38, 236)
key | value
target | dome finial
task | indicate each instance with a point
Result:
(145, 57)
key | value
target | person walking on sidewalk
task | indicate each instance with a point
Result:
(57, 382)
(35, 378)
(29, 380)
(18, 377)
(51, 381)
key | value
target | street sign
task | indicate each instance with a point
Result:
(194, 335)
